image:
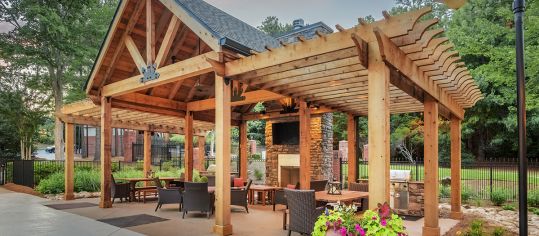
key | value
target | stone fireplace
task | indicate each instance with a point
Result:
(282, 161)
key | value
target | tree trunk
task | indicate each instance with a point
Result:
(56, 74)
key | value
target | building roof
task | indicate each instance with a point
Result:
(308, 27)
(226, 27)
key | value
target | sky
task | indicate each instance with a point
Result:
(331, 12)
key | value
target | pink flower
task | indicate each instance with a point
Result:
(328, 223)
(343, 231)
(374, 218)
(360, 230)
(383, 222)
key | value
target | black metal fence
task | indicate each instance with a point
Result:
(478, 179)
(160, 152)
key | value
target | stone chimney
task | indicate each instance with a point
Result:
(298, 23)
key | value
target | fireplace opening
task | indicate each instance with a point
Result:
(289, 175)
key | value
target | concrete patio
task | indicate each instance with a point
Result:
(42, 220)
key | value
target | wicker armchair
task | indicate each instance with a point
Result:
(167, 196)
(362, 187)
(303, 211)
(318, 185)
(238, 197)
(119, 190)
(196, 198)
(280, 197)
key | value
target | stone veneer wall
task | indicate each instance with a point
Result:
(321, 148)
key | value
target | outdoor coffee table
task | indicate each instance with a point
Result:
(346, 196)
(263, 191)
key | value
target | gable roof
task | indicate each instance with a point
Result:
(229, 30)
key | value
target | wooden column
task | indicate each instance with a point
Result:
(431, 227)
(147, 166)
(201, 153)
(352, 148)
(189, 146)
(456, 212)
(304, 145)
(69, 161)
(378, 128)
(243, 150)
(222, 156)
(106, 137)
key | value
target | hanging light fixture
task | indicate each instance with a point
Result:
(288, 105)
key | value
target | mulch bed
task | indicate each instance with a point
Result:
(464, 225)
(21, 189)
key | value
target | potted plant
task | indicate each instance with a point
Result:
(344, 221)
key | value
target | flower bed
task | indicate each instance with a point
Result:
(345, 222)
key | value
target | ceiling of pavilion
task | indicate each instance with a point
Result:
(335, 79)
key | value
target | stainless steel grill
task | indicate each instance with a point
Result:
(399, 189)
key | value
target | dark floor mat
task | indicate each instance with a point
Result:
(134, 220)
(411, 218)
(66, 206)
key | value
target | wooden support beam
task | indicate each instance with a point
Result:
(147, 165)
(352, 148)
(378, 129)
(243, 150)
(69, 163)
(150, 33)
(170, 34)
(189, 146)
(250, 97)
(455, 133)
(304, 145)
(396, 58)
(277, 114)
(134, 52)
(106, 155)
(175, 72)
(223, 224)
(152, 101)
(83, 120)
(431, 120)
(201, 153)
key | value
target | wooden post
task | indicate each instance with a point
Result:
(201, 153)
(243, 150)
(304, 145)
(378, 128)
(106, 137)
(352, 149)
(69, 161)
(147, 166)
(456, 212)
(431, 227)
(222, 156)
(189, 146)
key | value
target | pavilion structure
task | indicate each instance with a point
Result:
(181, 66)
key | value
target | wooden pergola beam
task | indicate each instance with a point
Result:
(134, 52)
(277, 114)
(396, 58)
(166, 44)
(250, 97)
(175, 72)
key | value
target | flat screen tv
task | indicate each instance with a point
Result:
(286, 133)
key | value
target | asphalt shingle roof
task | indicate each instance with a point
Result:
(222, 25)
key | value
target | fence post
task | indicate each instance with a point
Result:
(491, 164)
(340, 170)
(160, 165)
(416, 171)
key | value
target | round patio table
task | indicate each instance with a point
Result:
(345, 196)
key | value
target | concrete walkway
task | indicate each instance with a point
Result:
(23, 214)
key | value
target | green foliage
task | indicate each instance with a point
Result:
(466, 193)
(476, 229)
(83, 181)
(273, 27)
(498, 197)
(533, 198)
(256, 156)
(535, 210)
(445, 191)
(166, 166)
(509, 207)
(498, 231)
(258, 174)
(177, 138)
(203, 179)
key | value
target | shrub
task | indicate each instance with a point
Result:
(476, 229)
(533, 198)
(166, 166)
(534, 211)
(203, 179)
(445, 191)
(256, 156)
(498, 231)
(466, 194)
(258, 174)
(43, 170)
(83, 181)
(509, 207)
(498, 197)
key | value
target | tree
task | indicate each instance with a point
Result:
(273, 27)
(59, 40)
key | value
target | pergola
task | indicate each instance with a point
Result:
(188, 65)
